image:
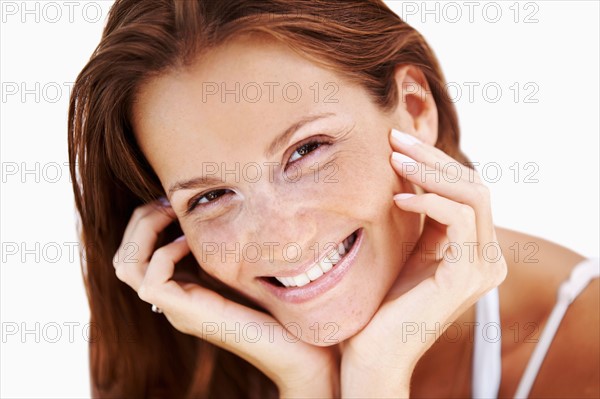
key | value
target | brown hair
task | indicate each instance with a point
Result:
(136, 353)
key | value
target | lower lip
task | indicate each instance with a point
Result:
(321, 285)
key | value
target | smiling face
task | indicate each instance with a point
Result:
(279, 173)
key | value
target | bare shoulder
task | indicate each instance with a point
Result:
(572, 365)
(528, 295)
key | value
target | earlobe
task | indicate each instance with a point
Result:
(416, 111)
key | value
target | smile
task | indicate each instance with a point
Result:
(320, 276)
(327, 263)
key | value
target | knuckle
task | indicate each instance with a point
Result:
(138, 212)
(476, 177)
(501, 271)
(144, 223)
(482, 193)
(161, 255)
(121, 273)
(144, 292)
(466, 213)
(496, 272)
(115, 260)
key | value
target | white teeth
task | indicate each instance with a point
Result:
(326, 264)
(341, 249)
(318, 270)
(301, 279)
(334, 256)
(283, 280)
(288, 281)
(330, 260)
(314, 272)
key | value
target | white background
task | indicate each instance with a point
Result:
(556, 52)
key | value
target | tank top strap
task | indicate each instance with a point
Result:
(487, 356)
(580, 276)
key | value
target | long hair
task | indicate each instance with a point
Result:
(136, 353)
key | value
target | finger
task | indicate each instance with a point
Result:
(162, 266)
(141, 234)
(432, 156)
(207, 314)
(145, 226)
(143, 210)
(159, 289)
(476, 196)
(458, 218)
(132, 257)
(428, 165)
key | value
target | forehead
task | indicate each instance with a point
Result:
(240, 94)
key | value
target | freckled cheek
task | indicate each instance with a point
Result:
(215, 249)
(364, 184)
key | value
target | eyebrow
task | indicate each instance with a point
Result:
(275, 146)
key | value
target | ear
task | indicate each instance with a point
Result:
(416, 112)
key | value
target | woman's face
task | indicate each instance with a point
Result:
(279, 173)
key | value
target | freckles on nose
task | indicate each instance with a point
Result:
(281, 225)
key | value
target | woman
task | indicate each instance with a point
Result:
(282, 180)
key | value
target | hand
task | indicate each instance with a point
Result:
(298, 369)
(429, 293)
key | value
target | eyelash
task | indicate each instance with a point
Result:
(315, 144)
(194, 202)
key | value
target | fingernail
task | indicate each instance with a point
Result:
(404, 138)
(401, 158)
(181, 238)
(403, 196)
(164, 201)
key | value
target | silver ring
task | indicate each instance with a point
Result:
(156, 309)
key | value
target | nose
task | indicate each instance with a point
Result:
(279, 221)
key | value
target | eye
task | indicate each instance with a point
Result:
(206, 198)
(304, 149)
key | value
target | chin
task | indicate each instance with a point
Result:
(336, 321)
(332, 333)
(337, 309)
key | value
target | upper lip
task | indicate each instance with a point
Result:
(307, 265)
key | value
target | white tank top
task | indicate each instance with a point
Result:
(487, 359)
